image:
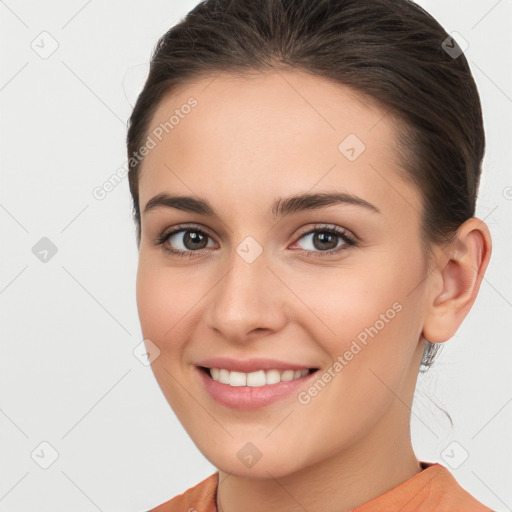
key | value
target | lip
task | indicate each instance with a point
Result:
(250, 365)
(248, 397)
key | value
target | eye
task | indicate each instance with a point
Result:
(184, 241)
(322, 240)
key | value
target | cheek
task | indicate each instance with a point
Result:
(149, 300)
(160, 301)
(342, 303)
(365, 315)
(169, 301)
(374, 340)
(162, 307)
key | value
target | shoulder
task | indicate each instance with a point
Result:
(201, 497)
(432, 490)
(445, 493)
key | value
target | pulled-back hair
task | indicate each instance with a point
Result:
(390, 50)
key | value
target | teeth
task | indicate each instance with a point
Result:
(255, 379)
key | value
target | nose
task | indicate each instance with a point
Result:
(248, 299)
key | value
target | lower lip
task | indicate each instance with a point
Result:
(249, 397)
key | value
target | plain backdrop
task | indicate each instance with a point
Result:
(73, 396)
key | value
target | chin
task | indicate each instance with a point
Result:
(275, 465)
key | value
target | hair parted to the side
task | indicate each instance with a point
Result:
(389, 50)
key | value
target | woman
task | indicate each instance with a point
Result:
(304, 176)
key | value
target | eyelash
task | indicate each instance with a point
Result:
(349, 241)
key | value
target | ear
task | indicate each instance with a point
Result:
(460, 269)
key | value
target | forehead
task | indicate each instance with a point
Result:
(278, 131)
(281, 104)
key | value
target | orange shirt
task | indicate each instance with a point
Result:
(433, 490)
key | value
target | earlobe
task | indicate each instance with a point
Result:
(461, 267)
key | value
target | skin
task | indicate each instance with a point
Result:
(247, 142)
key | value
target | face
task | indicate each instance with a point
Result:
(337, 285)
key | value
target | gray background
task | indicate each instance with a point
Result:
(69, 325)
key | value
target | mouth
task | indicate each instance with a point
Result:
(256, 389)
(258, 378)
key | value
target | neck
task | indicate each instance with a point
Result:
(340, 483)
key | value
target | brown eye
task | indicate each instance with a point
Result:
(185, 241)
(189, 240)
(327, 240)
(323, 240)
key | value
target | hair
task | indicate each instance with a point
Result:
(390, 51)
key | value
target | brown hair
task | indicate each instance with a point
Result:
(390, 50)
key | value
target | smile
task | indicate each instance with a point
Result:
(253, 390)
(255, 379)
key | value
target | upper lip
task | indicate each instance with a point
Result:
(250, 365)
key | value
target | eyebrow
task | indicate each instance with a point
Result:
(281, 207)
